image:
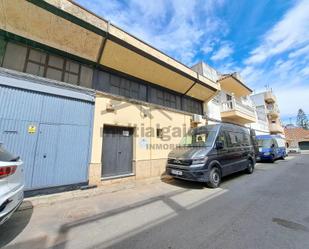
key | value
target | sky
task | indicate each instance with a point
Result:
(266, 41)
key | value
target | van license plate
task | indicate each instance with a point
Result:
(176, 172)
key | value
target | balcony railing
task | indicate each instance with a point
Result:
(237, 105)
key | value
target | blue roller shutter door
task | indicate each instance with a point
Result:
(57, 153)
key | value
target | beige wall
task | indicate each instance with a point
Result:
(147, 162)
(27, 20)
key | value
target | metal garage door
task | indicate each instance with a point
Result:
(51, 134)
(304, 145)
(117, 151)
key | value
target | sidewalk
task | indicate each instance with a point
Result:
(99, 215)
(45, 200)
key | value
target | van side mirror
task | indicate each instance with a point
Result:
(273, 146)
(219, 145)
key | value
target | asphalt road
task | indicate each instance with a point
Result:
(268, 209)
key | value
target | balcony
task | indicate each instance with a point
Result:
(269, 97)
(273, 112)
(236, 111)
(233, 83)
(275, 128)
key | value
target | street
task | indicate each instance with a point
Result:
(268, 209)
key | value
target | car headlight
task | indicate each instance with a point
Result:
(201, 160)
(266, 153)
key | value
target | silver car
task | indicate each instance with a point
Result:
(11, 184)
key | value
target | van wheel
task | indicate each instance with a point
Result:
(214, 178)
(250, 167)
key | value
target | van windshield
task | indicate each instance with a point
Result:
(265, 143)
(200, 137)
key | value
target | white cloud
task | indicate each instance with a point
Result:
(290, 99)
(305, 71)
(223, 52)
(299, 52)
(291, 32)
(207, 48)
(280, 61)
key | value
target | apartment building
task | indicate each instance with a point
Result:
(232, 103)
(83, 101)
(268, 114)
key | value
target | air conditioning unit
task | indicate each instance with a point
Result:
(197, 119)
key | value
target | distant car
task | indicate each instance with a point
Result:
(271, 147)
(293, 150)
(11, 184)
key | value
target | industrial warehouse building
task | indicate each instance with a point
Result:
(82, 101)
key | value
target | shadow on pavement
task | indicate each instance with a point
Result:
(182, 183)
(197, 185)
(16, 224)
(61, 241)
(37, 243)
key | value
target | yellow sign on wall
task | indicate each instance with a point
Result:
(32, 129)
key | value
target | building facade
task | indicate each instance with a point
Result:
(297, 139)
(268, 114)
(126, 104)
(232, 103)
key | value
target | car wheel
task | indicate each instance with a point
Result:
(250, 167)
(214, 178)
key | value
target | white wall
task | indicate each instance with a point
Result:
(260, 128)
(213, 109)
(258, 99)
(206, 70)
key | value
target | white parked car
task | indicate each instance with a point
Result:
(11, 184)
